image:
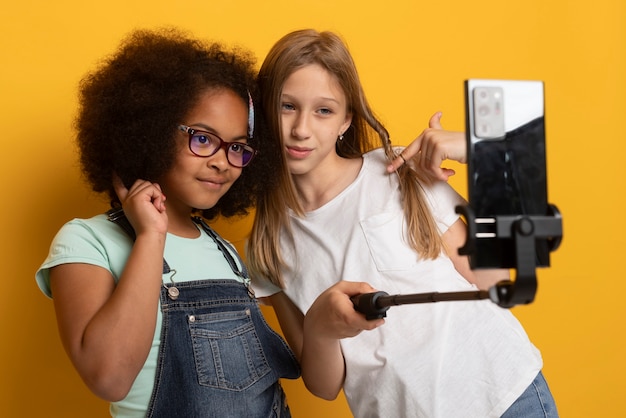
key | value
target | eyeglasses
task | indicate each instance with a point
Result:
(205, 144)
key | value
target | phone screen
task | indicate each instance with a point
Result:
(506, 161)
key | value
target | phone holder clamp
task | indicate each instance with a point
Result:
(523, 229)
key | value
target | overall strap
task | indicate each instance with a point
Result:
(224, 247)
(117, 215)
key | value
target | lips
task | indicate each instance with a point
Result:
(298, 152)
(213, 183)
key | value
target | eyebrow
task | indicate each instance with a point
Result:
(330, 99)
(207, 128)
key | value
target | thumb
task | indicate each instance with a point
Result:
(119, 187)
(435, 121)
(355, 288)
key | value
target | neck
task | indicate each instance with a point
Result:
(315, 189)
(182, 226)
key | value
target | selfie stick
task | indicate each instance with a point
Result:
(375, 305)
(523, 229)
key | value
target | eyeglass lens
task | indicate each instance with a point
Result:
(205, 144)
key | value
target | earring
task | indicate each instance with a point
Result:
(340, 137)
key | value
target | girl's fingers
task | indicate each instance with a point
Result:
(409, 152)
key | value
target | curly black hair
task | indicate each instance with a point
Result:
(131, 105)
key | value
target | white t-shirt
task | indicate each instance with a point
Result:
(101, 242)
(445, 359)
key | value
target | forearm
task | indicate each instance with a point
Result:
(290, 319)
(486, 278)
(323, 366)
(320, 358)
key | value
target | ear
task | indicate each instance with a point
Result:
(346, 123)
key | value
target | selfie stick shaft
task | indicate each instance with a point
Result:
(375, 305)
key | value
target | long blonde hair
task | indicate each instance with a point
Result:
(293, 51)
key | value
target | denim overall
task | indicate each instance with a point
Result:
(217, 355)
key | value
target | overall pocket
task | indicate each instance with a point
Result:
(227, 350)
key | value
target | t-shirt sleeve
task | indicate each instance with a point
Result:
(443, 200)
(262, 287)
(74, 243)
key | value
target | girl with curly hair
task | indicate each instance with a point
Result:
(153, 307)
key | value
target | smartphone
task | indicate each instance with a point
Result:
(505, 130)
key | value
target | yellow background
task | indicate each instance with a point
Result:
(413, 57)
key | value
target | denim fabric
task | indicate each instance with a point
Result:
(535, 402)
(218, 357)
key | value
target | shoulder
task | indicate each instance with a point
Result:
(91, 240)
(375, 165)
(97, 228)
(95, 241)
(443, 200)
(376, 157)
(441, 191)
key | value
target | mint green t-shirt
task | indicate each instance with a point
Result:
(100, 242)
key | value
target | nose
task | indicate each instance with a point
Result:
(219, 160)
(301, 128)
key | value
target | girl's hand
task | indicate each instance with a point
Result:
(332, 315)
(433, 146)
(144, 205)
